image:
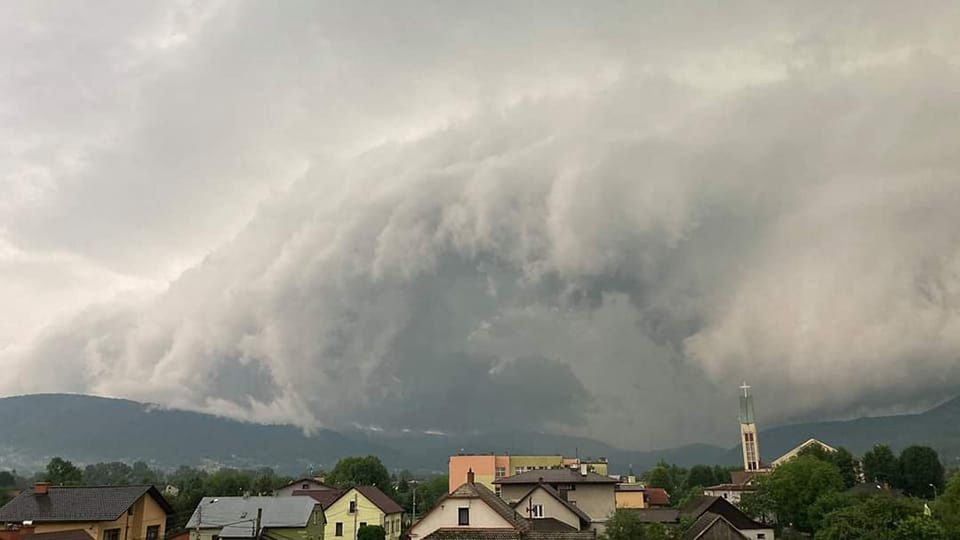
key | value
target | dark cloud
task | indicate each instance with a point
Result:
(597, 218)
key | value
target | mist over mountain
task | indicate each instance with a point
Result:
(89, 429)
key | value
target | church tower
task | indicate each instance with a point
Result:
(749, 440)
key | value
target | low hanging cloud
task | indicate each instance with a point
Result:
(579, 227)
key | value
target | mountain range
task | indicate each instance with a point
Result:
(87, 429)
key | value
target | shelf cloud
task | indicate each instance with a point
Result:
(589, 218)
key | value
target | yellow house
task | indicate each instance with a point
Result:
(98, 512)
(349, 510)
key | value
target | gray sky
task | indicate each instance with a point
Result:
(591, 218)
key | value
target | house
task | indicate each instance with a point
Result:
(712, 526)
(640, 496)
(276, 518)
(489, 467)
(740, 482)
(800, 448)
(88, 512)
(349, 510)
(543, 502)
(474, 512)
(302, 484)
(592, 493)
(700, 505)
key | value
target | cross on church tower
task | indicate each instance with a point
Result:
(749, 439)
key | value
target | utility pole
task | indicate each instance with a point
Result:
(414, 517)
(256, 531)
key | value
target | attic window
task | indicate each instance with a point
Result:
(305, 486)
(463, 516)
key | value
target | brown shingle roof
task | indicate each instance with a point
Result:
(81, 503)
(324, 497)
(379, 498)
(473, 534)
(70, 534)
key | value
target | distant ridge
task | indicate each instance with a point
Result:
(88, 429)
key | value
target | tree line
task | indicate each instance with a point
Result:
(188, 485)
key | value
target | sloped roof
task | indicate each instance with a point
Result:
(701, 504)
(79, 503)
(313, 481)
(556, 476)
(707, 522)
(325, 497)
(560, 535)
(549, 524)
(658, 496)
(656, 515)
(70, 534)
(455, 533)
(236, 515)
(379, 498)
(584, 518)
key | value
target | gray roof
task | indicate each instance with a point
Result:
(236, 515)
(656, 515)
(79, 503)
(556, 476)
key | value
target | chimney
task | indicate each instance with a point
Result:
(470, 476)
(41, 488)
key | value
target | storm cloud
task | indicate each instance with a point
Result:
(587, 218)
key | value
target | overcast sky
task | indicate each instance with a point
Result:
(578, 217)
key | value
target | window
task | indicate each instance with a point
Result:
(501, 472)
(536, 511)
(761, 536)
(363, 524)
(305, 486)
(339, 531)
(463, 516)
(353, 507)
(111, 534)
(153, 532)
(497, 489)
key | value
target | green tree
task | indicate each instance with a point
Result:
(107, 474)
(61, 472)
(873, 518)
(921, 473)
(880, 465)
(360, 471)
(624, 525)
(429, 492)
(759, 504)
(919, 528)
(669, 477)
(947, 506)
(847, 465)
(796, 485)
(7, 479)
(701, 475)
(371, 532)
